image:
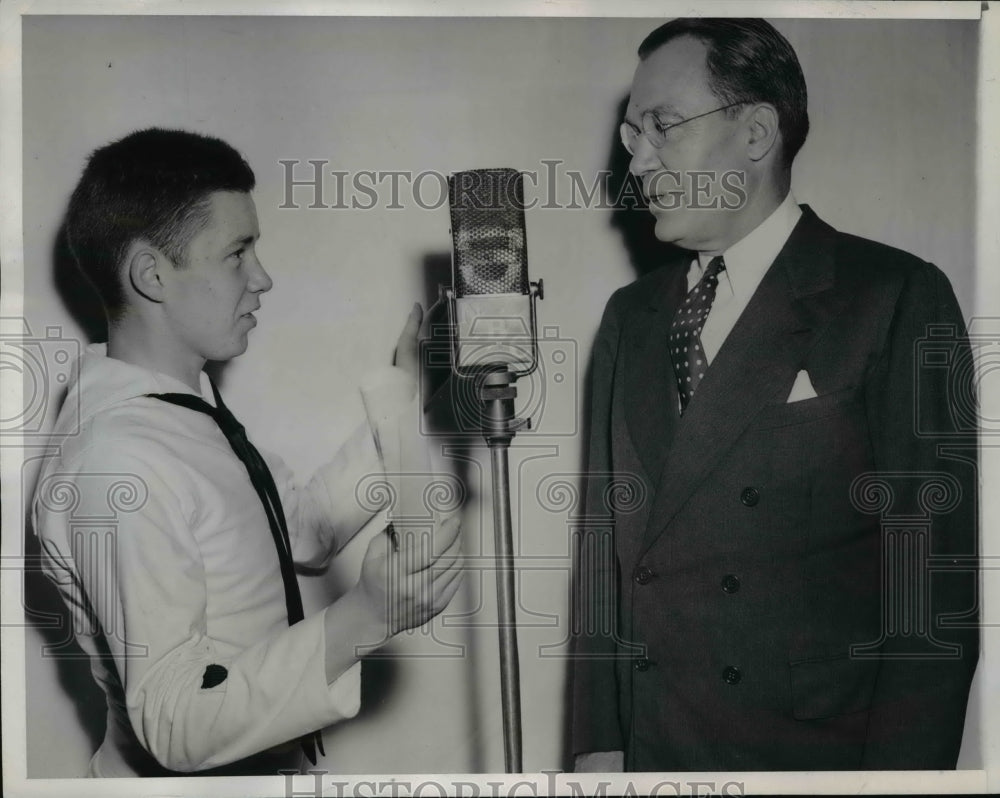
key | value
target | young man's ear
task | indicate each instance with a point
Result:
(145, 271)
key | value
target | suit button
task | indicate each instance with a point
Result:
(750, 496)
(731, 674)
(642, 664)
(642, 575)
(730, 583)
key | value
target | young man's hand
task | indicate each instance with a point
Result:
(407, 351)
(409, 575)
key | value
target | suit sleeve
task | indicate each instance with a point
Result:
(194, 702)
(919, 411)
(595, 723)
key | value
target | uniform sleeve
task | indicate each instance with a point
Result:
(922, 413)
(595, 688)
(194, 702)
(326, 512)
(334, 506)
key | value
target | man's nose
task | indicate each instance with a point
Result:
(645, 157)
(260, 280)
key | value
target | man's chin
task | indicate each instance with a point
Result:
(222, 354)
(667, 227)
(677, 227)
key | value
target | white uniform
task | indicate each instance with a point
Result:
(160, 547)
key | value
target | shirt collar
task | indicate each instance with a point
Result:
(103, 381)
(752, 255)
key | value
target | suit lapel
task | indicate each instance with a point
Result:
(650, 389)
(756, 365)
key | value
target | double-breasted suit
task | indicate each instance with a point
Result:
(791, 585)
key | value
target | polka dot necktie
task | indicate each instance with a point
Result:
(686, 352)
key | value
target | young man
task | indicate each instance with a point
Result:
(765, 389)
(186, 601)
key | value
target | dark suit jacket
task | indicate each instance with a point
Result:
(767, 585)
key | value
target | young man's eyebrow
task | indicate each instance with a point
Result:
(244, 241)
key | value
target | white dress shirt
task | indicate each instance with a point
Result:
(160, 547)
(746, 263)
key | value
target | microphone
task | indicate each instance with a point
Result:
(491, 307)
(491, 312)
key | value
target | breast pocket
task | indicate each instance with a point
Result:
(807, 410)
(810, 452)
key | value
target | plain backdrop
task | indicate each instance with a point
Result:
(891, 156)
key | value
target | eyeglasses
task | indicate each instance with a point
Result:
(655, 131)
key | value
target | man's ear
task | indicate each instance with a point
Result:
(145, 271)
(763, 128)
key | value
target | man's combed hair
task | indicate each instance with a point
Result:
(152, 185)
(748, 60)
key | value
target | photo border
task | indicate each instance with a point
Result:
(987, 277)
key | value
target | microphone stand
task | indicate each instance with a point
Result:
(497, 392)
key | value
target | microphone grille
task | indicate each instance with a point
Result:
(487, 230)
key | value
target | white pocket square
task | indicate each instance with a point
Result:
(802, 389)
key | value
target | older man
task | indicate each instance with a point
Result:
(762, 390)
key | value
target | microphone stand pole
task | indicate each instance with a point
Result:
(497, 391)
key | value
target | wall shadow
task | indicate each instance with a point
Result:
(448, 419)
(630, 216)
(46, 613)
(77, 293)
(44, 609)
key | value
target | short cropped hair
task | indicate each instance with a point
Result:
(748, 61)
(151, 185)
